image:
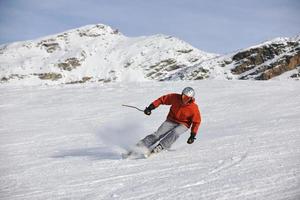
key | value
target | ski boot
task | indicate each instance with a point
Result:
(157, 149)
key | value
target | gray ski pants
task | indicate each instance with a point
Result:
(167, 133)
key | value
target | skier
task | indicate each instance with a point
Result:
(183, 114)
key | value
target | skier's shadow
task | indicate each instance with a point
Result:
(96, 153)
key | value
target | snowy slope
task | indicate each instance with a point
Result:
(95, 53)
(64, 142)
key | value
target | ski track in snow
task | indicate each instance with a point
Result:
(64, 142)
(223, 165)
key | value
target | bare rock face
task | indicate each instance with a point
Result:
(69, 64)
(286, 64)
(49, 45)
(267, 61)
(160, 70)
(49, 76)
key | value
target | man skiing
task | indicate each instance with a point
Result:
(183, 114)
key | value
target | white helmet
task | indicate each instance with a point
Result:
(188, 91)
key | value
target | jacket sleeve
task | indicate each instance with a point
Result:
(196, 121)
(165, 100)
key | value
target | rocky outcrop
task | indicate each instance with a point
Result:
(98, 53)
(266, 61)
(83, 80)
(261, 62)
(49, 76)
(283, 65)
(49, 45)
(12, 76)
(160, 70)
(69, 64)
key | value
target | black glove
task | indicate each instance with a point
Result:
(191, 138)
(148, 109)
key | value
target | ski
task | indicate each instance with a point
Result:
(139, 152)
(133, 155)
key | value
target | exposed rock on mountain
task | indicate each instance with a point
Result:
(98, 53)
(267, 61)
(273, 59)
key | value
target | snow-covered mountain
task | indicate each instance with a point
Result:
(95, 53)
(278, 58)
(98, 53)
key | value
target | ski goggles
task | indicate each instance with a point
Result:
(185, 99)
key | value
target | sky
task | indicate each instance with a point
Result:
(222, 26)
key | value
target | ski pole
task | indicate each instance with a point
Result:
(133, 107)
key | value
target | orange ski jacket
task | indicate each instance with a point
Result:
(188, 114)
